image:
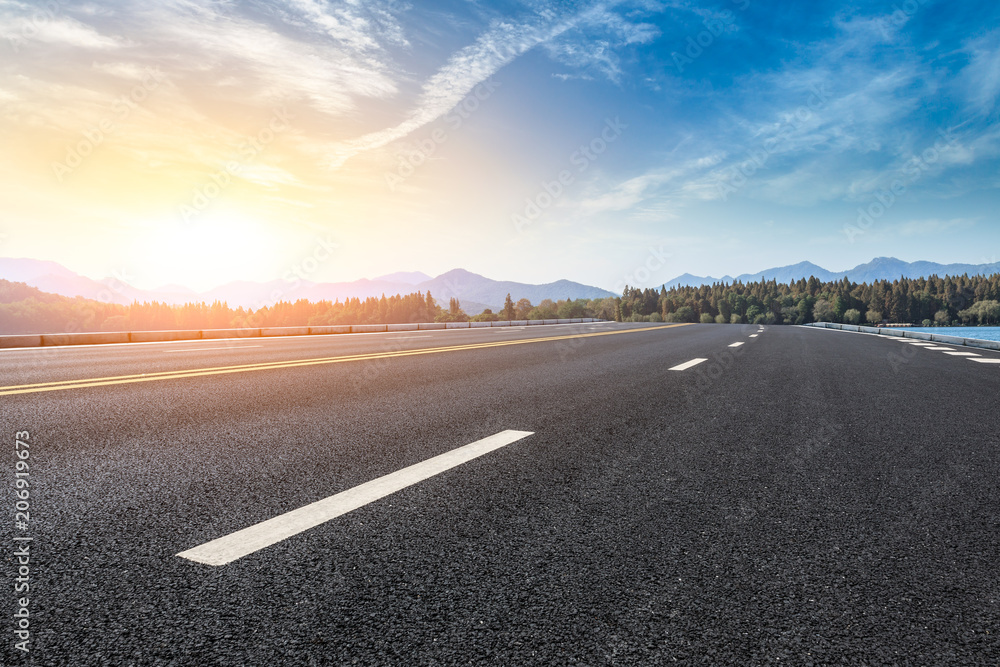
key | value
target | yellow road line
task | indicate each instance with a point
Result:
(223, 370)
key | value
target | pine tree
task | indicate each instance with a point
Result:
(508, 308)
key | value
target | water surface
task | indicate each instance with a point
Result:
(981, 333)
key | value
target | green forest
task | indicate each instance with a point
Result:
(933, 301)
(25, 309)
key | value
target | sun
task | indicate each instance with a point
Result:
(207, 250)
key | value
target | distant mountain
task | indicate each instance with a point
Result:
(57, 279)
(695, 281)
(786, 274)
(890, 268)
(880, 268)
(474, 291)
(465, 285)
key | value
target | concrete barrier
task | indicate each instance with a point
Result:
(284, 331)
(229, 333)
(20, 341)
(98, 338)
(954, 340)
(85, 338)
(330, 329)
(160, 336)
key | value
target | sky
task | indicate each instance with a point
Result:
(188, 142)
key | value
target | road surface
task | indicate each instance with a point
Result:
(699, 494)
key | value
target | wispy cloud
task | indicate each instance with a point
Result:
(568, 38)
(837, 123)
(55, 31)
(466, 69)
(980, 79)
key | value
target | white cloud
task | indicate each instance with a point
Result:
(641, 189)
(981, 77)
(359, 26)
(57, 30)
(465, 70)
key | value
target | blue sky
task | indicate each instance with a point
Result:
(601, 142)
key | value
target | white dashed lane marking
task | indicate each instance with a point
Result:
(688, 364)
(244, 542)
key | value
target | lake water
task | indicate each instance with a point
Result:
(982, 333)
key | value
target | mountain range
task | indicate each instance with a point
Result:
(880, 268)
(475, 292)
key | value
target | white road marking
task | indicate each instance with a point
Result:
(986, 361)
(736, 344)
(199, 349)
(226, 549)
(688, 364)
(961, 354)
(924, 344)
(951, 349)
(753, 335)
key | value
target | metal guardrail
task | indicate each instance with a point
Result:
(916, 335)
(98, 338)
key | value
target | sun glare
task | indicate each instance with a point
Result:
(206, 251)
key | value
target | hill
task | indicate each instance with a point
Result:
(475, 292)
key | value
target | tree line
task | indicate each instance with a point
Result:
(961, 300)
(933, 301)
(25, 309)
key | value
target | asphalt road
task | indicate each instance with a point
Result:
(809, 497)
